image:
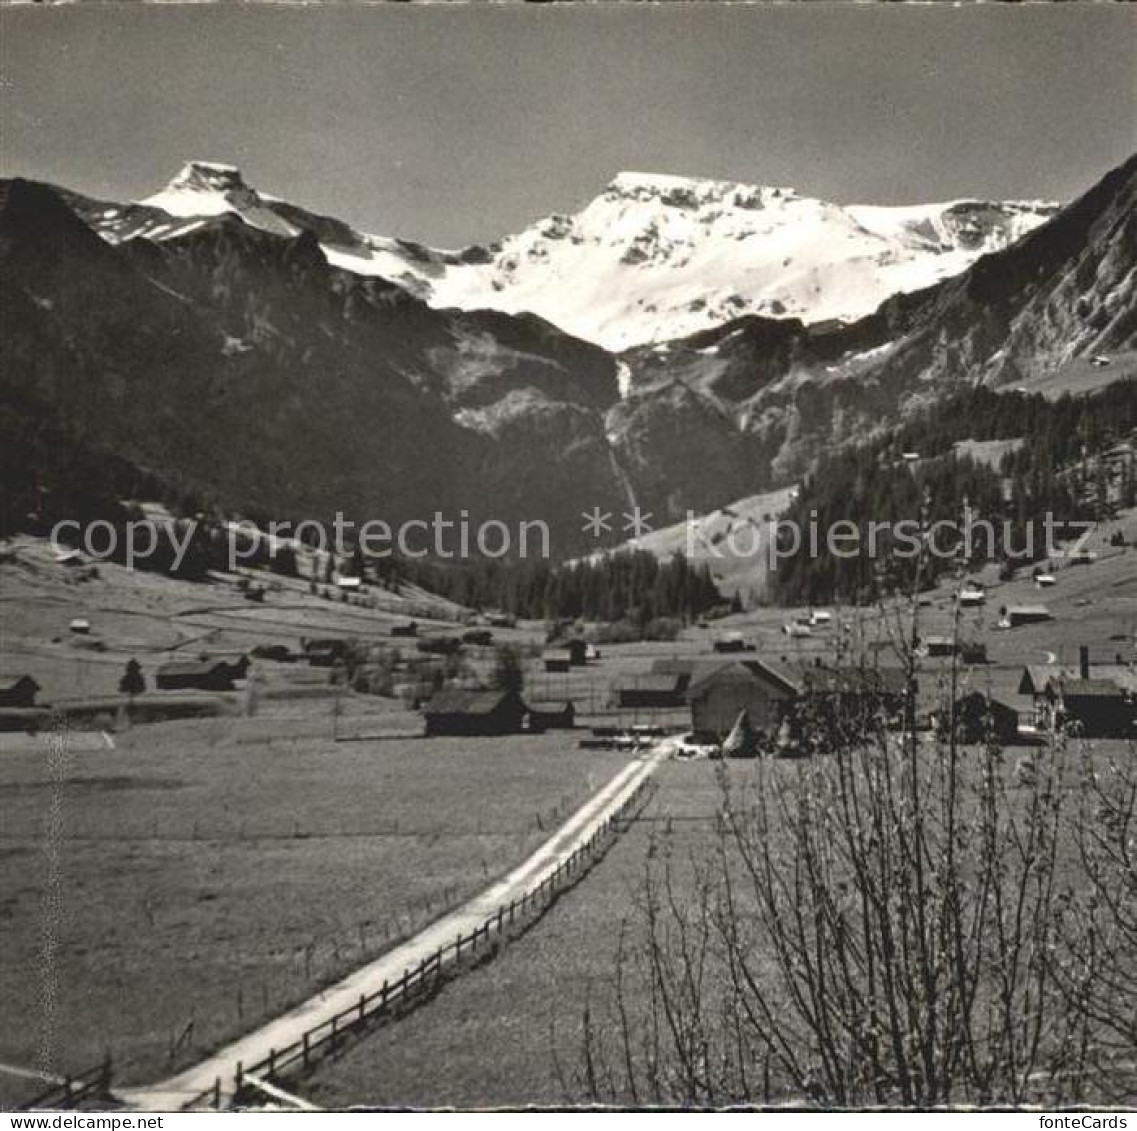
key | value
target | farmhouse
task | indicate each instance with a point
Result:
(653, 691)
(719, 697)
(856, 693)
(981, 718)
(551, 716)
(196, 675)
(455, 711)
(940, 645)
(732, 642)
(20, 693)
(1094, 708)
(556, 660)
(1098, 701)
(1025, 614)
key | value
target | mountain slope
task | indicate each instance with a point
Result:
(1067, 290)
(652, 257)
(229, 354)
(239, 363)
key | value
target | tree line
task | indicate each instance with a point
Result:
(914, 473)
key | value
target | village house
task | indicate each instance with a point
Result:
(855, 695)
(939, 646)
(1093, 708)
(551, 716)
(196, 675)
(20, 693)
(454, 711)
(719, 697)
(732, 642)
(980, 718)
(1018, 615)
(652, 691)
(556, 660)
(1096, 701)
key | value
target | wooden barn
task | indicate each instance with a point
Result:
(1094, 708)
(652, 691)
(980, 718)
(556, 660)
(19, 693)
(856, 693)
(719, 697)
(551, 716)
(456, 711)
(197, 675)
(1018, 615)
(940, 646)
(1097, 701)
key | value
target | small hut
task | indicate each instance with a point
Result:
(460, 712)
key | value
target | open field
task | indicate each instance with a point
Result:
(193, 881)
(528, 1004)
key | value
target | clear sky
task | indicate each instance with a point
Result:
(451, 124)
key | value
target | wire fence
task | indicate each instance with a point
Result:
(91, 1084)
(416, 982)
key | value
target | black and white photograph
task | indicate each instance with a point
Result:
(567, 557)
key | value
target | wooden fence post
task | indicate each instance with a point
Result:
(217, 1094)
(383, 995)
(335, 1030)
(238, 1079)
(500, 918)
(307, 1046)
(458, 947)
(362, 1005)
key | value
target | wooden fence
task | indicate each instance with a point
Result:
(416, 981)
(94, 1083)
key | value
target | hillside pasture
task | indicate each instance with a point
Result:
(172, 891)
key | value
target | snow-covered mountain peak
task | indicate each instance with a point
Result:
(691, 192)
(204, 188)
(209, 188)
(652, 257)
